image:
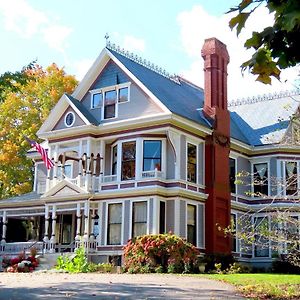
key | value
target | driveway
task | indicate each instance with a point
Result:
(18, 286)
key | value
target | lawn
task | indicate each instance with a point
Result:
(263, 286)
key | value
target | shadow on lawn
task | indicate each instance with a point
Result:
(114, 291)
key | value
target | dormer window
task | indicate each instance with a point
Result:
(109, 98)
(96, 100)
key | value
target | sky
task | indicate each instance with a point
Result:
(169, 33)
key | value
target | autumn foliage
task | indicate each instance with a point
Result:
(22, 112)
(160, 253)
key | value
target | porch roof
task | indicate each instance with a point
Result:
(21, 198)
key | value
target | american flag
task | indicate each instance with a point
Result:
(48, 162)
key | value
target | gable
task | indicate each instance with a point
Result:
(112, 77)
(66, 190)
(61, 122)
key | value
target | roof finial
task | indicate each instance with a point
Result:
(106, 38)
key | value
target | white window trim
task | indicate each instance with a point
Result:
(122, 224)
(65, 119)
(269, 242)
(110, 88)
(235, 170)
(283, 164)
(197, 161)
(252, 175)
(131, 215)
(197, 225)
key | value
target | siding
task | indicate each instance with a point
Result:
(107, 161)
(170, 207)
(151, 215)
(182, 219)
(273, 176)
(170, 162)
(41, 174)
(183, 157)
(61, 122)
(103, 223)
(139, 104)
(127, 220)
(200, 227)
(201, 163)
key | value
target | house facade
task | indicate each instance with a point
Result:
(139, 151)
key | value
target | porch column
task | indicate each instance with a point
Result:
(86, 223)
(80, 164)
(88, 171)
(78, 223)
(52, 240)
(101, 152)
(55, 169)
(46, 238)
(92, 247)
(4, 227)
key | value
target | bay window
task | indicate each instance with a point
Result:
(291, 178)
(152, 155)
(139, 218)
(114, 160)
(260, 179)
(261, 243)
(128, 160)
(191, 224)
(232, 175)
(114, 227)
(191, 163)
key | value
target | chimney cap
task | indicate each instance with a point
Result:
(214, 46)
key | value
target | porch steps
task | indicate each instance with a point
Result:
(47, 261)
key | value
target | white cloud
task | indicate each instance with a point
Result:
(25, 20)
(196, 25)
(133, 44)
(81, 67)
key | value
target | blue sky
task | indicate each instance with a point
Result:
(169, 33)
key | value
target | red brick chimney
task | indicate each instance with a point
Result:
(217, 147)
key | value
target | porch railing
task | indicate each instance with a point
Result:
(17, 247)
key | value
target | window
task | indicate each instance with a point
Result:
(233, 230)
(123, 95)
(261, 244)
(114, 160)
(191, 163)
(152, 155)
(260, 179)
(114, 224)
(162, 217)
(291, 185)
(110, 99)
(139, 218)
(191, 224)
(128, 160)
(232, 175)
(69, 119)
(66, 170)
(96, 100)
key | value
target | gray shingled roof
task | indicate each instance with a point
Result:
(83, 110)
(22, 198)
(181, 98)
(264, 120)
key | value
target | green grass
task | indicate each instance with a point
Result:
(263, 286)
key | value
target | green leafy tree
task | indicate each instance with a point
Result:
(22, 111)
(277, 46)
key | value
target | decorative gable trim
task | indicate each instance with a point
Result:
(57, 112)
(64, 188)
(96, 69)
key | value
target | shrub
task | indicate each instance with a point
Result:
(222, 261)
(159, 253)
(77, 264)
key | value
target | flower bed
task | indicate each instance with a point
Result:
(20, 264)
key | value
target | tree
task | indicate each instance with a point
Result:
(277, 46)
(11, 82)
(22, 112)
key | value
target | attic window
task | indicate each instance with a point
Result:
(96, 100)
(69, 119)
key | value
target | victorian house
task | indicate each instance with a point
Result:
(139, 151)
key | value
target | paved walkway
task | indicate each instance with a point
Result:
(14, 286)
